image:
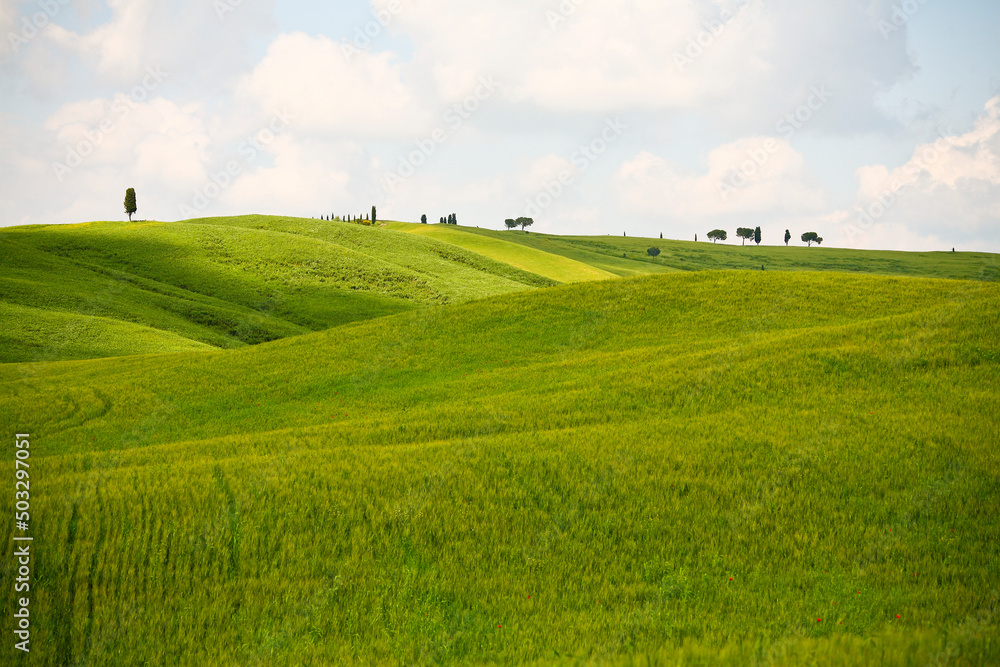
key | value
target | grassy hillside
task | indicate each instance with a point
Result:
(606, 253)
(228, 282)
(554, 266)
(722, 468)
(44, 335)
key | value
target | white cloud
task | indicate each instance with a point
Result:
(948, 189)
(542, 172)
(188, 38)
(157, 139)
(333, 95)
(303, 180)
(756, 175)
(757, 64)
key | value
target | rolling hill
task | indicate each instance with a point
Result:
(150, 287)
(624, 257)
(523, 256)
(224, 282)
(690, 468)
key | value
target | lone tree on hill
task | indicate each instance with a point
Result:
(374, 220)
(510, 222)
(130, 206)
(524, 223)
(788, 236)
(718, 235)
(744, 233)
(653, 252)
(812, 237)
(756, 236)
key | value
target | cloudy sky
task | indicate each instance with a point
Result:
(875, 123)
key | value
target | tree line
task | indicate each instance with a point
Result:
(754, 235)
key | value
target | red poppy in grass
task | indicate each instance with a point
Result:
(730, 578)
(499, 626)
(897, 615)
(819, 620)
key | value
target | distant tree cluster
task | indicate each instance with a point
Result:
(450, 219)
(754, 235)
(523, 223)
(365, 219)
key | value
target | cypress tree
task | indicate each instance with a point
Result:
(130, 206)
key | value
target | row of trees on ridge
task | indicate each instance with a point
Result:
(748, 234)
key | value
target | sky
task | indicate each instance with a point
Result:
(874, 123)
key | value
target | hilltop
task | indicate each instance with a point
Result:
(627, 256)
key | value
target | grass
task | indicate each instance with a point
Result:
(229, 282)
(606, 252)
(689, 468)
(44, 335)
(554, 266)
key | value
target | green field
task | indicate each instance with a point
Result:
(691, 467)
(628, 256)
(228, 282)
(523, 256)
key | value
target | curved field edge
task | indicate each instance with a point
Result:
(662, 467)
(554, 266)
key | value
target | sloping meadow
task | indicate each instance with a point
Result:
(223, 282)
(725, 467)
